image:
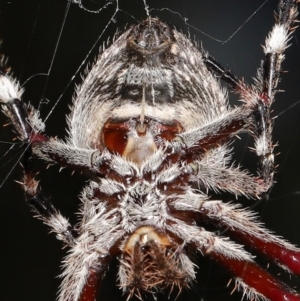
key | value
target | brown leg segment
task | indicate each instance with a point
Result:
(258, 279)
(92, 285)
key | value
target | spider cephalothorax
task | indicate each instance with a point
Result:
(152, 123)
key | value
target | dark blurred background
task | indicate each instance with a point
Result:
(30, 30)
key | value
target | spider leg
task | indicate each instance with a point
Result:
(211, 172)
(243, 225)
(56, 151)
(255, 281)
(260, 121)
(208, 175)
(90, 282)
(86, 263)
(214, 133)
(231, 179)
(83, 274)
(267, 81)
(15, 109)
(41, 205)
(260, 98)
(45, 209)
(28, 125)
(93, 282)
(210, 135)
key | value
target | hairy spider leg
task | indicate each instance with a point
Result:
(16, 110)
(261, 97)
(257, 104)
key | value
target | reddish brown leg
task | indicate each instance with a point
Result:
(272, 250)
(242, 229)
(242, 226)
(258, 279)
(91, 288)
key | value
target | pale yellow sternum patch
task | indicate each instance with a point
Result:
(143, 236)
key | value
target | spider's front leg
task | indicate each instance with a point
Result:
(260, 97)
(254, 115)
(27, 124)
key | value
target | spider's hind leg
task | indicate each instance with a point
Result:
(256, 283)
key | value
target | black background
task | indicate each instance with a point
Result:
(30, 257)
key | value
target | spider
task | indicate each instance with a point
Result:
(152, 125)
